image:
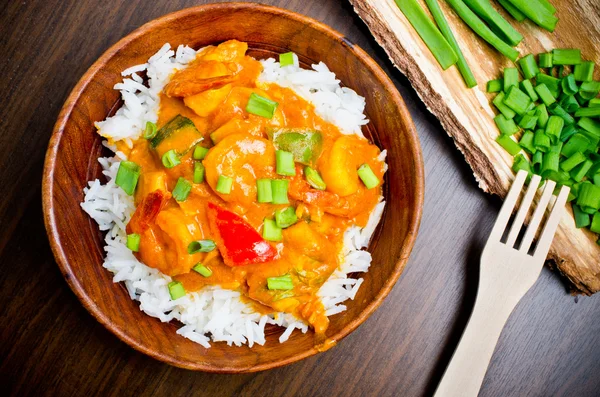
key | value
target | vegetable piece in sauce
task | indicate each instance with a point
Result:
(238, 242)
(285, 217)
(150, 131)
(200, 152)
(261, 106)
(127, 176)
(201, 246)
(203, 270)
(198, 172)
(204, 103)
(285, 163)
(280, 191)
(280, 283)
(171, 159)
(368, 177)
(271, 231)
(179, 134)
(176, 290)
(314, 179)
(305, 145)
(182, 189)
(264, 193)
(224, 184)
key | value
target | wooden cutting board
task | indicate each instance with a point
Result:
(467, 114)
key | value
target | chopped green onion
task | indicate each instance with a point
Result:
(127, 176)
(528, 121)
(593, 138)
(568, 131)
(596, 179)
(595, 226)
(581, 218)
(261, 106)
(314, 179)
(521, 163)
(429, 33)
(566, 56)
(201, 246)
(589, 125)
(264, 192)
(528, 66)
(224, 184)
(588, 198)
(536, 161)
(508, 144)
(538, 12)
(481, 29)
(286, 59)
(198, 172)
(526, 142)
(285, 163)
(558, 110)
(569, 103)
(593, 103)
(182, 189)
(505, 110)
(200, 152)
(497, 23)
(511, 78)
(150, 130)
(588, 112)
(494, 85)
(442, 23)
(589, 89)
(542, 114)
(368, 177)
(271, 231)
(176, 290)
(512, 10)
(545, 94)
(202, 270)
(528, 88)
(568, 84)
(573, 161)
(506, 126)
(133, 242)
(577, 143)
(541, 141)
(280, 191)
(285, 217)
(579, 172)
(550, 161)
(554, 128)
(517, 100)
(282, 283)
(552, 83)
(171, 159)
(584, 71)
(545, 60)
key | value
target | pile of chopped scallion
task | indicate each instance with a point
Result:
(483, 19)
(556, 111)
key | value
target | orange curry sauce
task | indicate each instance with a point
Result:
(213, 92)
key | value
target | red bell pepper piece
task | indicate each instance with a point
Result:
(239, 243)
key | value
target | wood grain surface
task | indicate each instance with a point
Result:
(467, 115)
(50, 345)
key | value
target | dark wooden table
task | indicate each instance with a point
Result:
(50, 345)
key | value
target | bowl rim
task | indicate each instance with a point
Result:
(76, 93)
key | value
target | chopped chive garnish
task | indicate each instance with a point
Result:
(579, 172)
(595, 226)
(545, 94)
(588, 112)
(558, 110)
(528, 121)
(201, 246)
(442, 23)
(150, 130)
(285, 163)
(594, 103)
(264, 192)
(200, 152)
(510, 78)
(589, 125)
(494, 85)
(171, 159)
(182, 189)
(506, 126)
(279, 189)
(176, 290)
(545, 60)
(573, 161)
(566, 56)
(286, 59)
(133, 242)
(568, 131)
(552, 83)
(199, 171)
(368, 177)
(429, 33)
(505, 110)
(528, 66)
(127, 176)
(261, 106)
(271, 231)
(521, 163)
(542, 114)
(314, 179)
(550, 162)
(569, 103)
(526, 142)
(554, 128)
(588, 198)
(528, 88)
(569, 85)
(541, 141)
(202, 270)
(224, 184)
(517, 100)
(577, 143)
(581, 218)
(282, 283)
(285, 217)
(508, 144)
(584, 71)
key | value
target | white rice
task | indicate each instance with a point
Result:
(214, 313)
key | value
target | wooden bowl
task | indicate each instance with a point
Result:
(72, 155)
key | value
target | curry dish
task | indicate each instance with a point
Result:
(241, 184)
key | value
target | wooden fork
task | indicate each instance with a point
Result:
(507, 273)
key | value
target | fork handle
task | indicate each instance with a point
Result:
(465, 373)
